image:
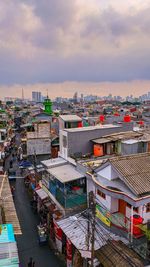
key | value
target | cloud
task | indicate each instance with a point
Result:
(82, 40)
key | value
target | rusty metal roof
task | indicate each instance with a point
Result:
(119, 255)
(117, 136)
(8, 205)
(135, 171)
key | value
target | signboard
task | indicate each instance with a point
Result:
(69, 252)
(58, 236)
(103, 215)
(6, 233)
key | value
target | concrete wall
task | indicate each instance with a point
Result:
(114, 205)
(39, 146)
(104, 202)
(81, 141)
(105, 172)
(42, 130)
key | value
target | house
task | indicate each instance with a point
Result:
(76, 142)
(75, 229)
(122, 186)
(122, 143)
(66, 186)
(39, 140)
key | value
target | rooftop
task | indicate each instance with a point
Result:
(92, 128)
(76, 228)
(119, 255)
(135, 171)
(8, 205)
(117, 136)
(70, 118)
(50, 163)
(65, 173)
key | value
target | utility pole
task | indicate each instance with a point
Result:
(92, 205)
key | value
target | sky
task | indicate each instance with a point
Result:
(89, 46)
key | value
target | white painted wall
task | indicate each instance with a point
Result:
(63, 150)
(114, 205)
(105, 202)
(128, 212)
(144, 214)
(105, 172)
(114, 174)
(108, 173)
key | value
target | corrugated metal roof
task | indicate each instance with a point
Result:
(41, 193)
(101, 140)
(8, 254)
(135, 171)
(8, 204)
(117, 136)
(119, 255)
(76, 229)
(65, 173)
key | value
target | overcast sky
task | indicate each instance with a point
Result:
(84, 41)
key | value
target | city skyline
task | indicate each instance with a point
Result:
(67, 89)
(91, 43)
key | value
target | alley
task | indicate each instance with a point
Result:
(28, 245)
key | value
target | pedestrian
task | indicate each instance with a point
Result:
(33, 264)
(12, 190)
(30, 263)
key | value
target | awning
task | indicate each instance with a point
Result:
(41, 193)
(101, 141)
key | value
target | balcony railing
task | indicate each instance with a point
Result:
(69, 199)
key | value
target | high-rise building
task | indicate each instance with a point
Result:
(36, 96)
(75, 97)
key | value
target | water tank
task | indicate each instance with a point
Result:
(101, 118)
(137, 220)
(127, 118)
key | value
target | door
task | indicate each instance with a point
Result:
(122, 206)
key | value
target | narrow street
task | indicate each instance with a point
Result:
(28, 245)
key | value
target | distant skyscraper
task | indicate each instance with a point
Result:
(75, 97)
(36, 97)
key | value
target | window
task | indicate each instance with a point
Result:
(129, 205)
(136, 209)
(101, 194)
(148, 207)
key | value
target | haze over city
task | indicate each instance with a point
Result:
(83, 45)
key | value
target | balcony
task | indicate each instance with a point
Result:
(70, 200)
(66, 197)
